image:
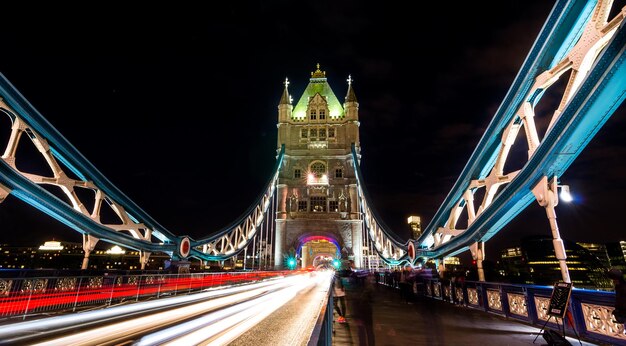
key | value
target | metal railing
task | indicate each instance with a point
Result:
(590, 312)
(322, 334)
(34, 295)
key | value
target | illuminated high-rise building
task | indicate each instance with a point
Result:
(617, 254)
(416, 226)
(534, 262)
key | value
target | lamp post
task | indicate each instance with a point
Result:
(546, 194)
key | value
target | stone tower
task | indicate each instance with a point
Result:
(318, 215)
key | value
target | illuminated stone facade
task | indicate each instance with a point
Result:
(317, 187)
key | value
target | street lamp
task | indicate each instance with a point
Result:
(565, 195)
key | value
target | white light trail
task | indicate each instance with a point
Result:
(59, 322)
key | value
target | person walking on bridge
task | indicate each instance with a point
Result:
(339, 298)
(620, 294)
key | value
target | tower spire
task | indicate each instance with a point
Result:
(350, 96)
(318, 73)
(285, 99)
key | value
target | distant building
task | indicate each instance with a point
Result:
(453, 264)
(598, 250)
(617, 255)
(416, 226)
(69, 256)
(512, 266)
(534, 262)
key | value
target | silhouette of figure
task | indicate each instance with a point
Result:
(620, 294)
(361, 308)
(339, 301)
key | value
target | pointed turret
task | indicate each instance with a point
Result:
(351, 106)
(285, 99)
(284, 106)
(350, 97)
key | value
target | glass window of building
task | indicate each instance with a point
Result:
(318, 169)
(312, 114)
(302, 205)
(339, 173)
(297, 173)
(331, 132)
(318, 204)
(333, 206)
(313, 133)
(304, 133)
(322, 114)
(322, 133)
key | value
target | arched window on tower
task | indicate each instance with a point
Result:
(317, 174)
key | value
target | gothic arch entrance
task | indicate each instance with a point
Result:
(313, 250)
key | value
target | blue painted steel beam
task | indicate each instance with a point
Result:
(65, 152)
(242, 218)
(43, 200)
(559, 31)
(599, 96)
(391, 235)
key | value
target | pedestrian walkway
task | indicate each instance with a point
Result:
(392, 321)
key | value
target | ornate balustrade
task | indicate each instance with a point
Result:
(591, 311)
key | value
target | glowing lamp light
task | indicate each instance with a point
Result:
(336, 263)
(51, 245)
(116, 250)
(291, 263)
(566, 196)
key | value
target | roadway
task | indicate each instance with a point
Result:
(212, 317)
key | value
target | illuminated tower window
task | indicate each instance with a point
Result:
(333, 206)
(302, 206)
(304, 133)
(312, 114)
(318, 169)
(318, 204)
(322, 114)
(297, 173)
(339, 173)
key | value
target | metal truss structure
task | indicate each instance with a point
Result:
(83, 192)
(577, 38)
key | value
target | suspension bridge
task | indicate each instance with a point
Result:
(315, 205)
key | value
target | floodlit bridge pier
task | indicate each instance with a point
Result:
(315, 211)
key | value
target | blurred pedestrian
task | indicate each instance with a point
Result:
(339, 298)
(620, 294)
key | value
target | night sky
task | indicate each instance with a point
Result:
(177, 105)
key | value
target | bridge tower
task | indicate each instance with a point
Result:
(317, 204)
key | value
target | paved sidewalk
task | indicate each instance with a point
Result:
(377, 312)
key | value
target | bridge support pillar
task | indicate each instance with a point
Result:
(304, 253)
(143, 258)
(357, 244)
(546, 194)
(441, 266)
(478, 253)
(279, 243)
(4, 192)
(89, 243)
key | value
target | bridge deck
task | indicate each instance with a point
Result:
(425, 321)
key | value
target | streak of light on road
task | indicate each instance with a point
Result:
(222, 317)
